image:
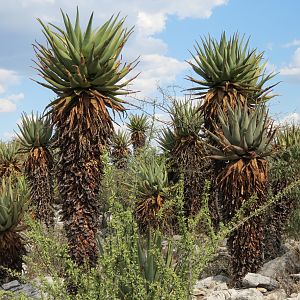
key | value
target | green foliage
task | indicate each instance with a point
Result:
(288, 137)
(293, 226)
(9, 158)
(130, 266)
(35, 131)
(138, 123)
(14, 197)
(120, 140)
(218, 62)
(5, 295)
(186, 118)
(78, 61)
(151, 177)
(244, 132)
(167, 140)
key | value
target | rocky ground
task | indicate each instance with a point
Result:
(278, 279)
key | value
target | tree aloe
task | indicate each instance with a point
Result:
(10, 163)
(85, 71)
(120, 149)
(186, 148)
(283, 171)
(36, 142)
(152, 193)
(13, 200)
(138, 126)
(244, 141)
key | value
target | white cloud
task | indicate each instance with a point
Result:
(7, 106)
(151, 23)
(158, 69)
(149, 18)
(293, 43)
(292, 70)
(29, 2)
(15, 97)
(8, 78)
(8, 135)
(151, 12)
(291, 118)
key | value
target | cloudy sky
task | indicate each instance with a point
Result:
(165, 31)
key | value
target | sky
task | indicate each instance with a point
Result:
(165, 31)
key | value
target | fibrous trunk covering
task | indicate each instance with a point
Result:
(190, 157)
(12, 250)
(82, 134)
(238, 182)
(38, 170)
(146, 212)
(219, 98)
(120, 158)
(138, 140)
(213, 100)
(277, 220)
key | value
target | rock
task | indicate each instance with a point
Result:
(262, 290)
(280, 267)
(295, 276)
(247, 294)
(253, 280)
(198, 292)
(212, 281)
(297, 297)
(232, 294)
(276, 295)
(207, 286)
(19, 288)
(11, 285)
(219, 295)
(28, 290)
(218, 282)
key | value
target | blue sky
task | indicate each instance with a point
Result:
(164, 32)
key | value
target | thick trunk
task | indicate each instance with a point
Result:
(276, 222)
(138, 140)
(245, 245)
(238, 182)
(82, 132)
(120, 158)
(12, 250)
(190, 157)
(79, 188)
(38, 170)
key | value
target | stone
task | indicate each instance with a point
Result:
(11, 285)
(295, 276)
(247, 294)
(276, 295)
(262, 290)
(19, 288)
(297, 297)
(218, 282)
(232, 294)
(28, 290)
(219, 295)
(253, 280)
(199, 292)
(282, 266)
